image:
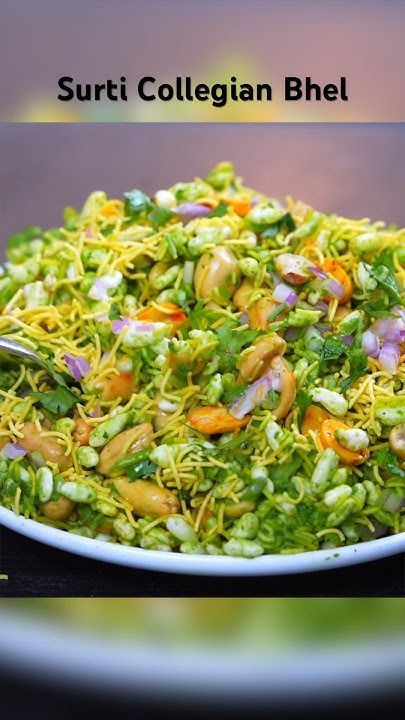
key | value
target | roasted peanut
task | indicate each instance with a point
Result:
(397, 440)
(58, 509)
(49, 448)
(146, 498)
(255, 363)
(82, 431)
(287, 385)
(242, 295)
(217, 269)
(134, 439)
(259, 313)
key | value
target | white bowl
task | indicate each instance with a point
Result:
(219, 565)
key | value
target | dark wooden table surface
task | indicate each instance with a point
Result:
(35, 570)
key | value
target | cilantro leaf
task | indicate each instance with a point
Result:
(303, 401)
(60, 400)
(220, 210)
(114, 312)
(159, 216)
(382, 270)
(136, 202)
(378, 305)
(387, 460)
(137, 464)
(288, 221)
(358, 367)
(332, 349)
(141, 469)
(231, 342)
(231, 392)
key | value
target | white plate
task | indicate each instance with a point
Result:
(203, 564)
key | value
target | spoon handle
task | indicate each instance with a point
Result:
(13, 348)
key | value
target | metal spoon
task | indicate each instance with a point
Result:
(10, 347)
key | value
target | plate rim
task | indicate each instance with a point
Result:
(213, 565)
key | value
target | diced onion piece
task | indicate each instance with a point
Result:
(254, 395)
(137, 325)
(189, 211)
(347, 339)
(188, 273)
(335, 288)
(78, 366)
(370, 344)
(318, 272)
(284, 294)
(321, 305)
(391, 500)
(389, 358)
(13, 451)
(390, 329)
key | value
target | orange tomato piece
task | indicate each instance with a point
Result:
(171, 314)
(328, 440)
(313, 419)
(212, 420)
(82, 432)
(241, 207)
(334, 268)
(114, 386)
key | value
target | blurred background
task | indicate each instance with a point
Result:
(206, 657)
(210, 40)
(355, 169)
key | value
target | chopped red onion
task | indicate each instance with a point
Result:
(292, 334)
(13, 451)
(100, 287)
(189, 211)
(347, 339)
(391, 500)
(318, 272)
(118, 325)
(390, 328)
(140, 326)
(323, 327)
(367, 534)
(78, 366)
(274, 381)
(243, 318)
(335, 288)
(284, 294)
(370, 344)
(254, 395)
(389, 358)
(321, 305)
